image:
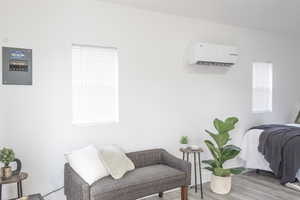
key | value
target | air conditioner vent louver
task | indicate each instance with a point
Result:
(221, 64)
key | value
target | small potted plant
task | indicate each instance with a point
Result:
(6, 157)
(222, 152)
(184, 140)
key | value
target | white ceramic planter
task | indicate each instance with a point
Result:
(220, 185)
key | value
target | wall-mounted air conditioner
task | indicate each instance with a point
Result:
(213, 54)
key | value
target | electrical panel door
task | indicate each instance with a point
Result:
(16, 66)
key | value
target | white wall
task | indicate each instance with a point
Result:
(2, 109)
(161, 97)
(2, 129)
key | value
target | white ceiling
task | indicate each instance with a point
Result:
(282, 16)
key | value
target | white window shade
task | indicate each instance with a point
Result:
(262, 87)
(94, 84)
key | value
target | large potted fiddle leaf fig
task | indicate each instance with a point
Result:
(222, 152)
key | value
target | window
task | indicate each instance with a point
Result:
(94, 84)
(262, 87)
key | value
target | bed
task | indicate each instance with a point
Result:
(252, 158)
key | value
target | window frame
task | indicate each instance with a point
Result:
(98, 122)
(270, 89)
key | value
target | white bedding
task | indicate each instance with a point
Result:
(252, 158)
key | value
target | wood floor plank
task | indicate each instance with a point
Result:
(249, 186)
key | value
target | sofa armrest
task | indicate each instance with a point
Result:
(172, 161)
(75, 187)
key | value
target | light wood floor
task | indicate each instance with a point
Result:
(250, 186)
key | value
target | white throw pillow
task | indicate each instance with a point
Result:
(115, 161)
(87, 164)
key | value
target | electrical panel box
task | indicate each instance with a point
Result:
(16, 66)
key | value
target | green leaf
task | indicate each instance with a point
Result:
(223, 127)
(229, 152)
(220, 139)
(184, 140)
(232, 120)
(237, 170)
(223, 139)
(218, 124)
(212, 163)
(209, 168)
(7, 156)
(214, 136)
(222, 172)
(214, 151)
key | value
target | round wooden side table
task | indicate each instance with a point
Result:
(187, 151)
(14, 179)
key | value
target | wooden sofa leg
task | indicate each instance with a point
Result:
(160, 195)
(184, 193)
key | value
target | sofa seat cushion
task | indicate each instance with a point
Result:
(150, 179)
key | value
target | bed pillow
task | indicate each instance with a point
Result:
(297, 121)
(87, 164)
(115, 161)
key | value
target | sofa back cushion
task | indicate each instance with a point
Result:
(87, 164)
(146, 158)
(115, 161)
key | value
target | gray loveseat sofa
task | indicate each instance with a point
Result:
(156, 171)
